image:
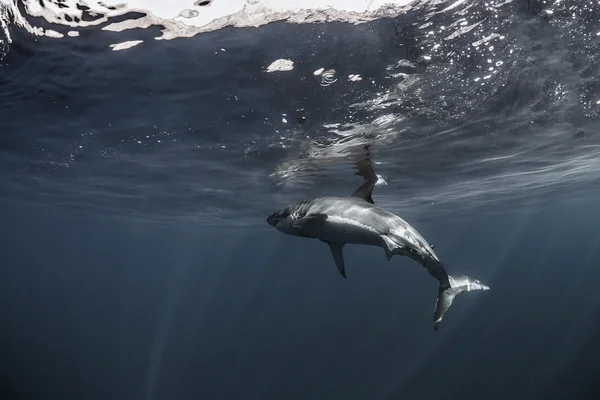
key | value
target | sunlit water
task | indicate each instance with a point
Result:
(484, 103)
(480, 117)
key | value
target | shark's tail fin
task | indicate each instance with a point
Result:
(458, 284)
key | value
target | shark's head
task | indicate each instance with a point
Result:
(282, 219)
(278, 217)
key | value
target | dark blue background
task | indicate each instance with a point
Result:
(127, 310)
(136, 262)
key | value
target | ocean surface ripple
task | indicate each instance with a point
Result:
(458, 107)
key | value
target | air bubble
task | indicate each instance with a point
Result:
(328, 77)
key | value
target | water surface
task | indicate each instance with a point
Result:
(135, 184)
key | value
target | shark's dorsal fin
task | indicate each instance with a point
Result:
(365, 191)
(338, 256)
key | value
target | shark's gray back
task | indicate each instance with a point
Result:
(356, 209)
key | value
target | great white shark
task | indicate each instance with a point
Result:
(356, 219)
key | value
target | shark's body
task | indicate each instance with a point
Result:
(355, 219)
(350, 220)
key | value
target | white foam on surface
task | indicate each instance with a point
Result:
(186, 18)
(281, 65)
(125, 45)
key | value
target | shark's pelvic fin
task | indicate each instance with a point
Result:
(390, 247)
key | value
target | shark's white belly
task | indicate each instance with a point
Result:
(344, 230)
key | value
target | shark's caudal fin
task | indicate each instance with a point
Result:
(458, 284)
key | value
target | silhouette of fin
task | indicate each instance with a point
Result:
(338, 256)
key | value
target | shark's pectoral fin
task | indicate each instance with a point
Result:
(310, 222)
(338, 256)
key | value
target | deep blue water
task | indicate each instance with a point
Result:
(137, 263)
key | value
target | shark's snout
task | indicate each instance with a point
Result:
(272, 220)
